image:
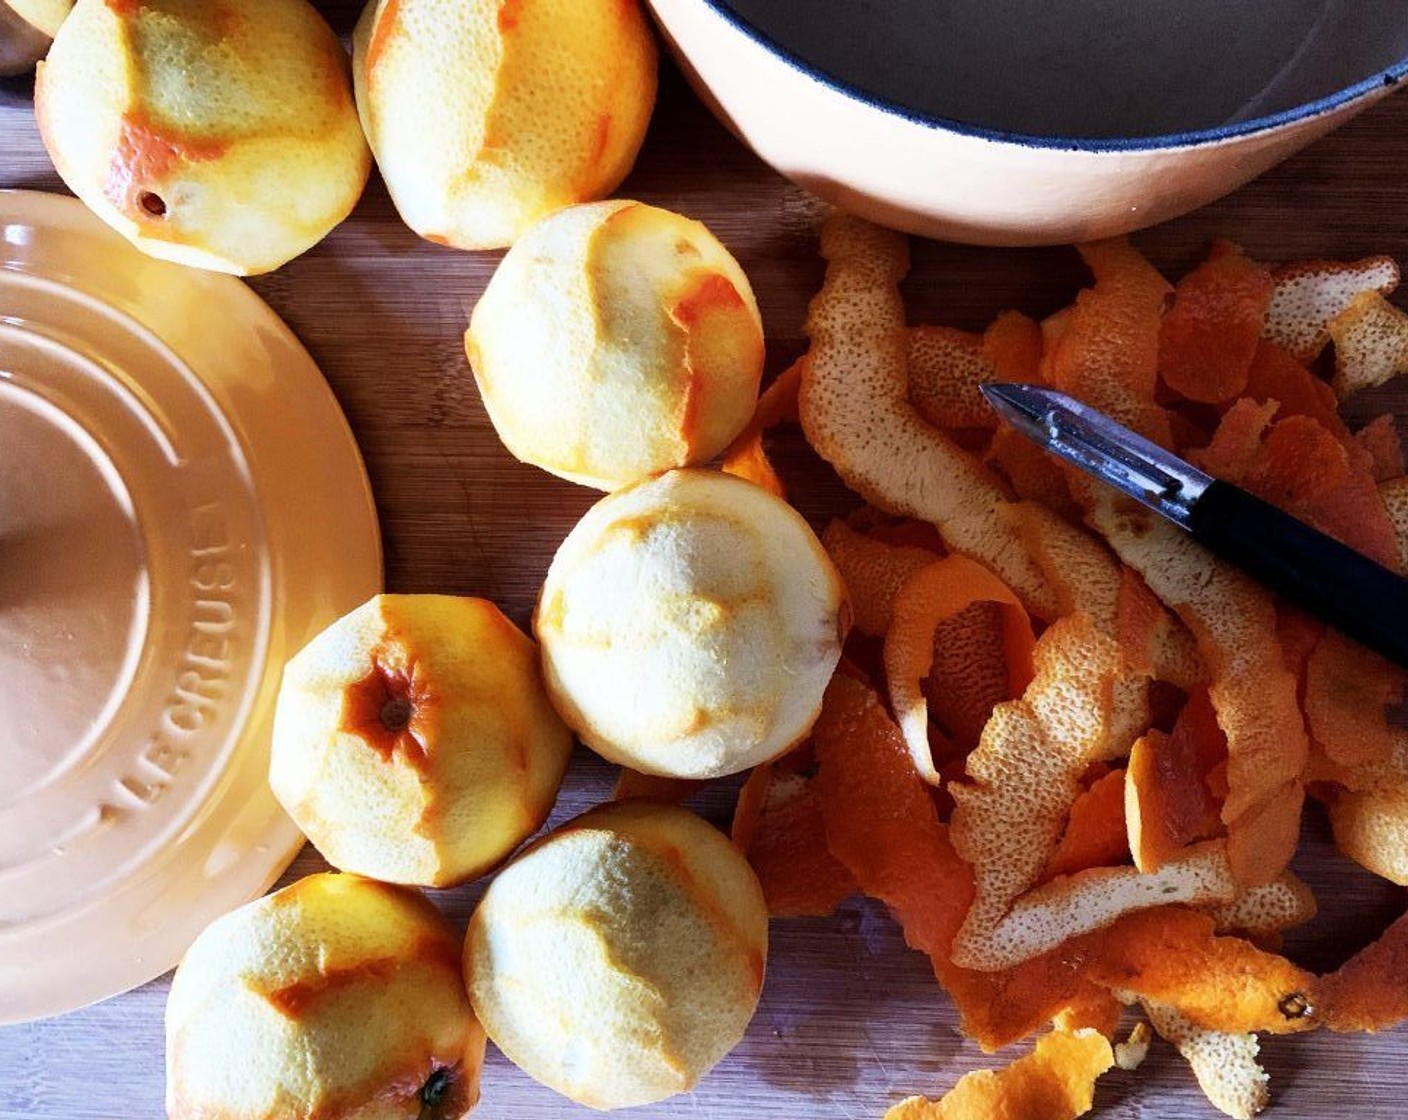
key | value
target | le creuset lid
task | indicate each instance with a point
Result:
(182, 506)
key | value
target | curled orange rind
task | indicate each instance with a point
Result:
(1252, 691)
(777, 823)
(1371, 343)
(1096, 835)
(873, 572)
(1174, 955)
(746, 456)
(1210, 332)
(1225, 1064)
(1108, 351)
(946, 366)
(1309, 294)
(856, 411)
(1367, 992)
(931, 596)
(1055, 1082)
(1265, 911)
(1379, 440)
(1069, 907)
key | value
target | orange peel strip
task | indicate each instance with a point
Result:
(750, 461)
(1267, 910)
(1252, 691)
(1013, 344)
(1371, 827)
(1210, 333)
(1173, 955)
(748, 809)
(971, 673)
(1093, 1009)
(653, 787)
(745, 456)
(1168, 804)
(1371, 344)
(1065, 908)
(873, 572)
(1348, 690)
(1276, 377)
(946, 366)
(786, 846)
(1108, 355)
(1225, 1064)
(1379, 441)
(881, 824)
(1055, 1082)
(1309, 294)
(856, 412)
(930, 596)
(1026, 770)
(1302, 467)
(1367, 992)
(1095, 834)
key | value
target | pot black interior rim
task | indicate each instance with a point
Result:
(1389, 76)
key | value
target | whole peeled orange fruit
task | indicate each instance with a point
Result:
(617, 340)
(413, 740)
(689, 626)
(620, 958)
(336, 997)
(215, 133)
(485, 115)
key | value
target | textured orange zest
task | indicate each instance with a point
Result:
(873, 572)
(1210, 332)
(1095, 834)
(1252, 691)
(1379, 440)
(1173, 955)
(857, 415)
(1276, 377)
(1348, 691)
(1367, 992)
(778, 825)
(1169, 804)
(881, 824)
(1013, 344)
(971, 674)
(750, 461)
(1056, 1082)
(946, 366)
(929, 597)
(1109, 353)
(1310, 294)
(1300, 466)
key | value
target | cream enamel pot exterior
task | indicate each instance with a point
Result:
(894, 167)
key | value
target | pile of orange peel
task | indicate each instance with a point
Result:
(1068, 748)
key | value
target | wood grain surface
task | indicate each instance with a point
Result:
(850, 1020)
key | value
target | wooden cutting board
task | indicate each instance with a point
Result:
(850, 1020)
